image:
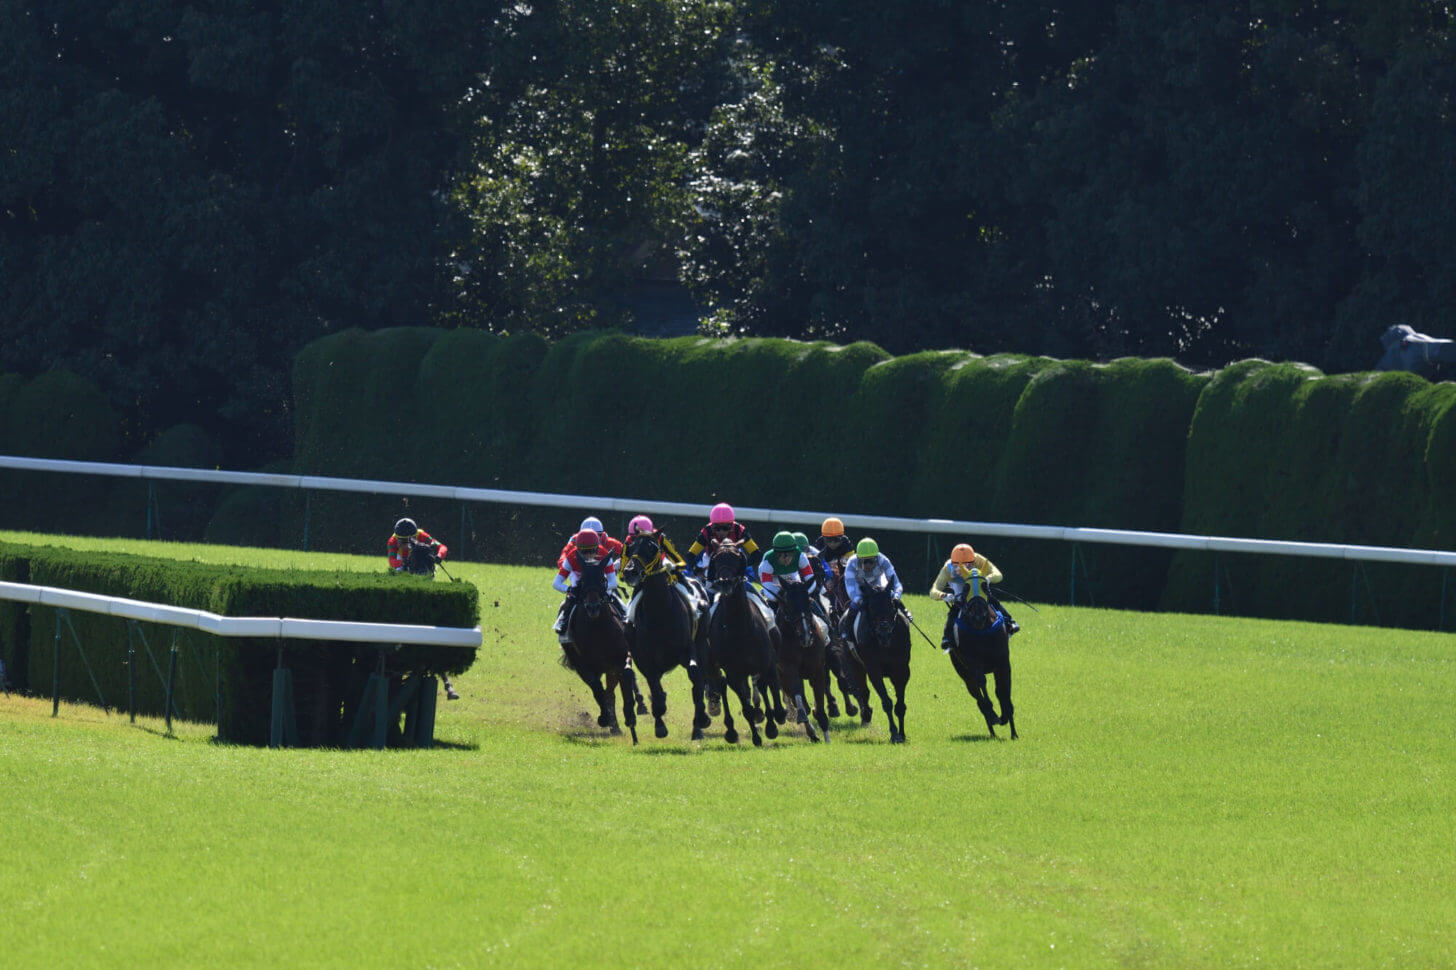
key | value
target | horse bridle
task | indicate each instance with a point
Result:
(650, 564)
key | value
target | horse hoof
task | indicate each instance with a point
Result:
(865, 717)
(714, 709)
(758, 741)
(730, 736)
(603, 720)
(660, 730)
(697, 734)
(616, 730)
(897, 739)
(701, 721)
(781, 715)
(813, 737)
(849, 709)
(641, 709)
(771, 729)
(834, 709)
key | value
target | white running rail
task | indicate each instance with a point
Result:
(599, 504)
(241, 626)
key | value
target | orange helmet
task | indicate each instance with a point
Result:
(831, 527)
(963, 553)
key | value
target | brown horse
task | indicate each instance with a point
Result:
(803, 655)
(982, 645)
(599, 652)
(661, 634)
(741, 644)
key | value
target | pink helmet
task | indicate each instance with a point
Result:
(639, 524)
(722, 514)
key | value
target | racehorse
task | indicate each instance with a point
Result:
(841, 663)
(982, 645)
(741, 644)
(599, 652)
(803, 649)
(661, 635)
(882, 638)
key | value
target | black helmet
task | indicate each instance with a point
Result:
(405, 528)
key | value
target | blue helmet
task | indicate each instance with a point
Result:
(593, 523)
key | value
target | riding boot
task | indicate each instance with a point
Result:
(561, 628)
(947, 636)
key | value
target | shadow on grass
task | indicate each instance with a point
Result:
(976, 738)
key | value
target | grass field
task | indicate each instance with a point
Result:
(1188, 791)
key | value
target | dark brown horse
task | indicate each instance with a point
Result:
(661, 634)
(599, 652)
(882, 646)
(841, 664)
(741, 644)
(803, 655)
(982, 645)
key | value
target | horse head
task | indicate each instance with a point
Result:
(591, 589)
(642, 557)
(794, 612)
(879, 610)
(727, 564)
(974, 607)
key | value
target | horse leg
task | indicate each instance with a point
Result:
(801, 709)
(696, 676)
(900, 679)
(885, 703)
(741, 688)
(819, 683)
(631, 696)
(659, 702)
(606, 718)
(730, 733)
(860, 681)
(976, 687)
(1003, 697)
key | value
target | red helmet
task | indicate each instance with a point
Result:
(586, 539)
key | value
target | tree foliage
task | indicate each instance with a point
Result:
(191, 191)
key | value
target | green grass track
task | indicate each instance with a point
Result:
(1188, 791)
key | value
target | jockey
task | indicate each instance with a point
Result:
(722, 525)
(585, 546)
(783, 563)
(835, 550)
(669, 559)
(865, 568)
(406, 536)
(611, 548)
(950, 586)
(822, 575)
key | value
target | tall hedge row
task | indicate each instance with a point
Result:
(1282, 452)
(774, 423)
(1257, 449)
(233, 672)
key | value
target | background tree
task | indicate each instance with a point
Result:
(191, 191)
(580, 170)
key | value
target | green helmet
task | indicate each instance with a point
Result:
(784, 542)
(802, 541)
(867, 547)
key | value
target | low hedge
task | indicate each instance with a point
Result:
(233, 671)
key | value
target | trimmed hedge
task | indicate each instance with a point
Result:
(56, 415)
(326, 674)
(1279, 451)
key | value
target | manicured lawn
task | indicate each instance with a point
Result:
(1188, 791)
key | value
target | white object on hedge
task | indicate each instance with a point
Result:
(242, 626)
